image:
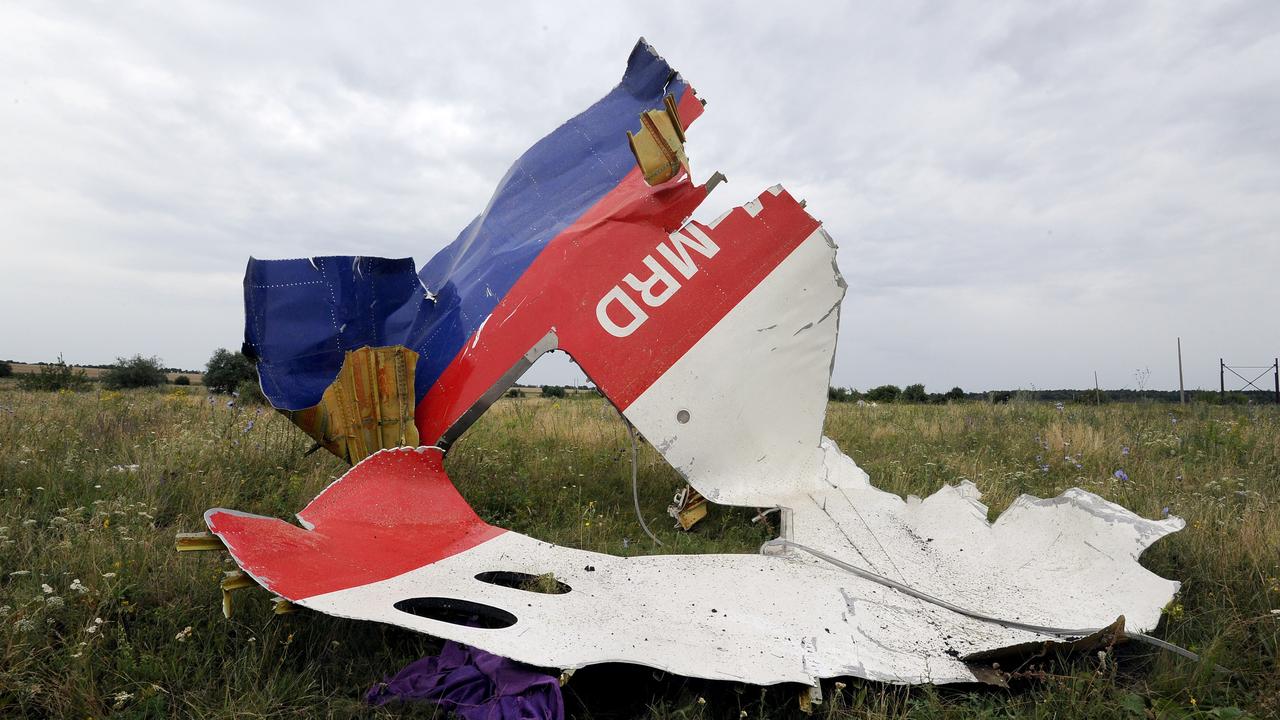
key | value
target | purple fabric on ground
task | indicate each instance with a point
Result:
(476, 685)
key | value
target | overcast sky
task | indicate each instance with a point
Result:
(1022, 195)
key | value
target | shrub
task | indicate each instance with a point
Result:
(915, 393)
(839, 394)
(227, 370)
(884, 393)
(134, 372)
(248, 392)
(56, 376)
(5, 369)
(182, 380)
(514, 393)
(954, 393)
(552, 391)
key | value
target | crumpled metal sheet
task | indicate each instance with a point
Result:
(302, 315)
(671, 319)
(394, 531)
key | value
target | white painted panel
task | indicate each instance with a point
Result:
(754, 387)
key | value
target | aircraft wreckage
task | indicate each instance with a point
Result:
(587, 246)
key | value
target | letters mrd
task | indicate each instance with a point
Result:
(622, 310)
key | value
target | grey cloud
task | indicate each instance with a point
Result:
(1022, 193)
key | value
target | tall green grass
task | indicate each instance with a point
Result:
(99, 616)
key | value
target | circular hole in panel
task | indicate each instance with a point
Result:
(682, 417)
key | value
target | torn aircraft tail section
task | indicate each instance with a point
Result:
(587, 246)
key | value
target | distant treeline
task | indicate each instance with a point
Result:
(916, 394)
(101, 367)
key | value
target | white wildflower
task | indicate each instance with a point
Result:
(78, 586)
(44, 587)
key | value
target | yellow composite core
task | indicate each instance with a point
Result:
(369, 406)
(659, 146)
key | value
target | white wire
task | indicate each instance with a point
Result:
(635, 483)
(1042, 629)
(904, 589)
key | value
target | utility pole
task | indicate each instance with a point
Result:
(1182, 391)
(1222, 379)
(1277, 376)
(1097, 394)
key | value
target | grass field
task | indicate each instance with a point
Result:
(99, 616)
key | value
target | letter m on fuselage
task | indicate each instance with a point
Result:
(677, 253)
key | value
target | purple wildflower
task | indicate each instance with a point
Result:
(248, 427)
(1122, 475)
(1124, 450)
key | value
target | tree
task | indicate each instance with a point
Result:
(884, 393)
(954, 393)
(5, 369)
(182, 380)
(226, 370)
(134, 372)
(552, 391)
(915, 393)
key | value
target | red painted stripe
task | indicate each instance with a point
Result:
(750, 249)
(393, 512)
(563, 285)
